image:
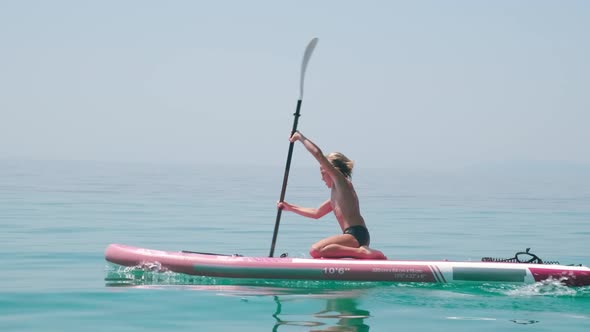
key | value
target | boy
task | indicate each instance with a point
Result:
(336, 170)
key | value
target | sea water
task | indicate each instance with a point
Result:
(56, 219)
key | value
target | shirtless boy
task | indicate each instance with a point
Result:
(336, 171)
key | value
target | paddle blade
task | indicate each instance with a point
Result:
(306, 56)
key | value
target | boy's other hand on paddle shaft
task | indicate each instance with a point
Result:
(284, 206)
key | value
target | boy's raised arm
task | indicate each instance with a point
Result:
(316, 152)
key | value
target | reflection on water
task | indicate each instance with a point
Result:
(340, 311)
(339, 300)
(345, 310)
(524, 321)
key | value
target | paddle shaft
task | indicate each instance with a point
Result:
(306, 56)
(285, 179)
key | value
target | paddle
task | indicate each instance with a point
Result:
(306, 57)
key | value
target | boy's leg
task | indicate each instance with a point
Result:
(343, 245)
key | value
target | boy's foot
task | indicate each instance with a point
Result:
(373, 254)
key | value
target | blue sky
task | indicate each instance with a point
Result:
(412, 84)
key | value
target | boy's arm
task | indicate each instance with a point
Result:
(317, 153)
(316, 213)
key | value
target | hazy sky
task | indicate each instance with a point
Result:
(424, 84)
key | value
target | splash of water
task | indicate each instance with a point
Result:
(550, 287)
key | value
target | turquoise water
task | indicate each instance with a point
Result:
(58, 217)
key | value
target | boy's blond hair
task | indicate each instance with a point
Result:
(342, 163)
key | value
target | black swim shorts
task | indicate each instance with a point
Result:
(360, 233)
